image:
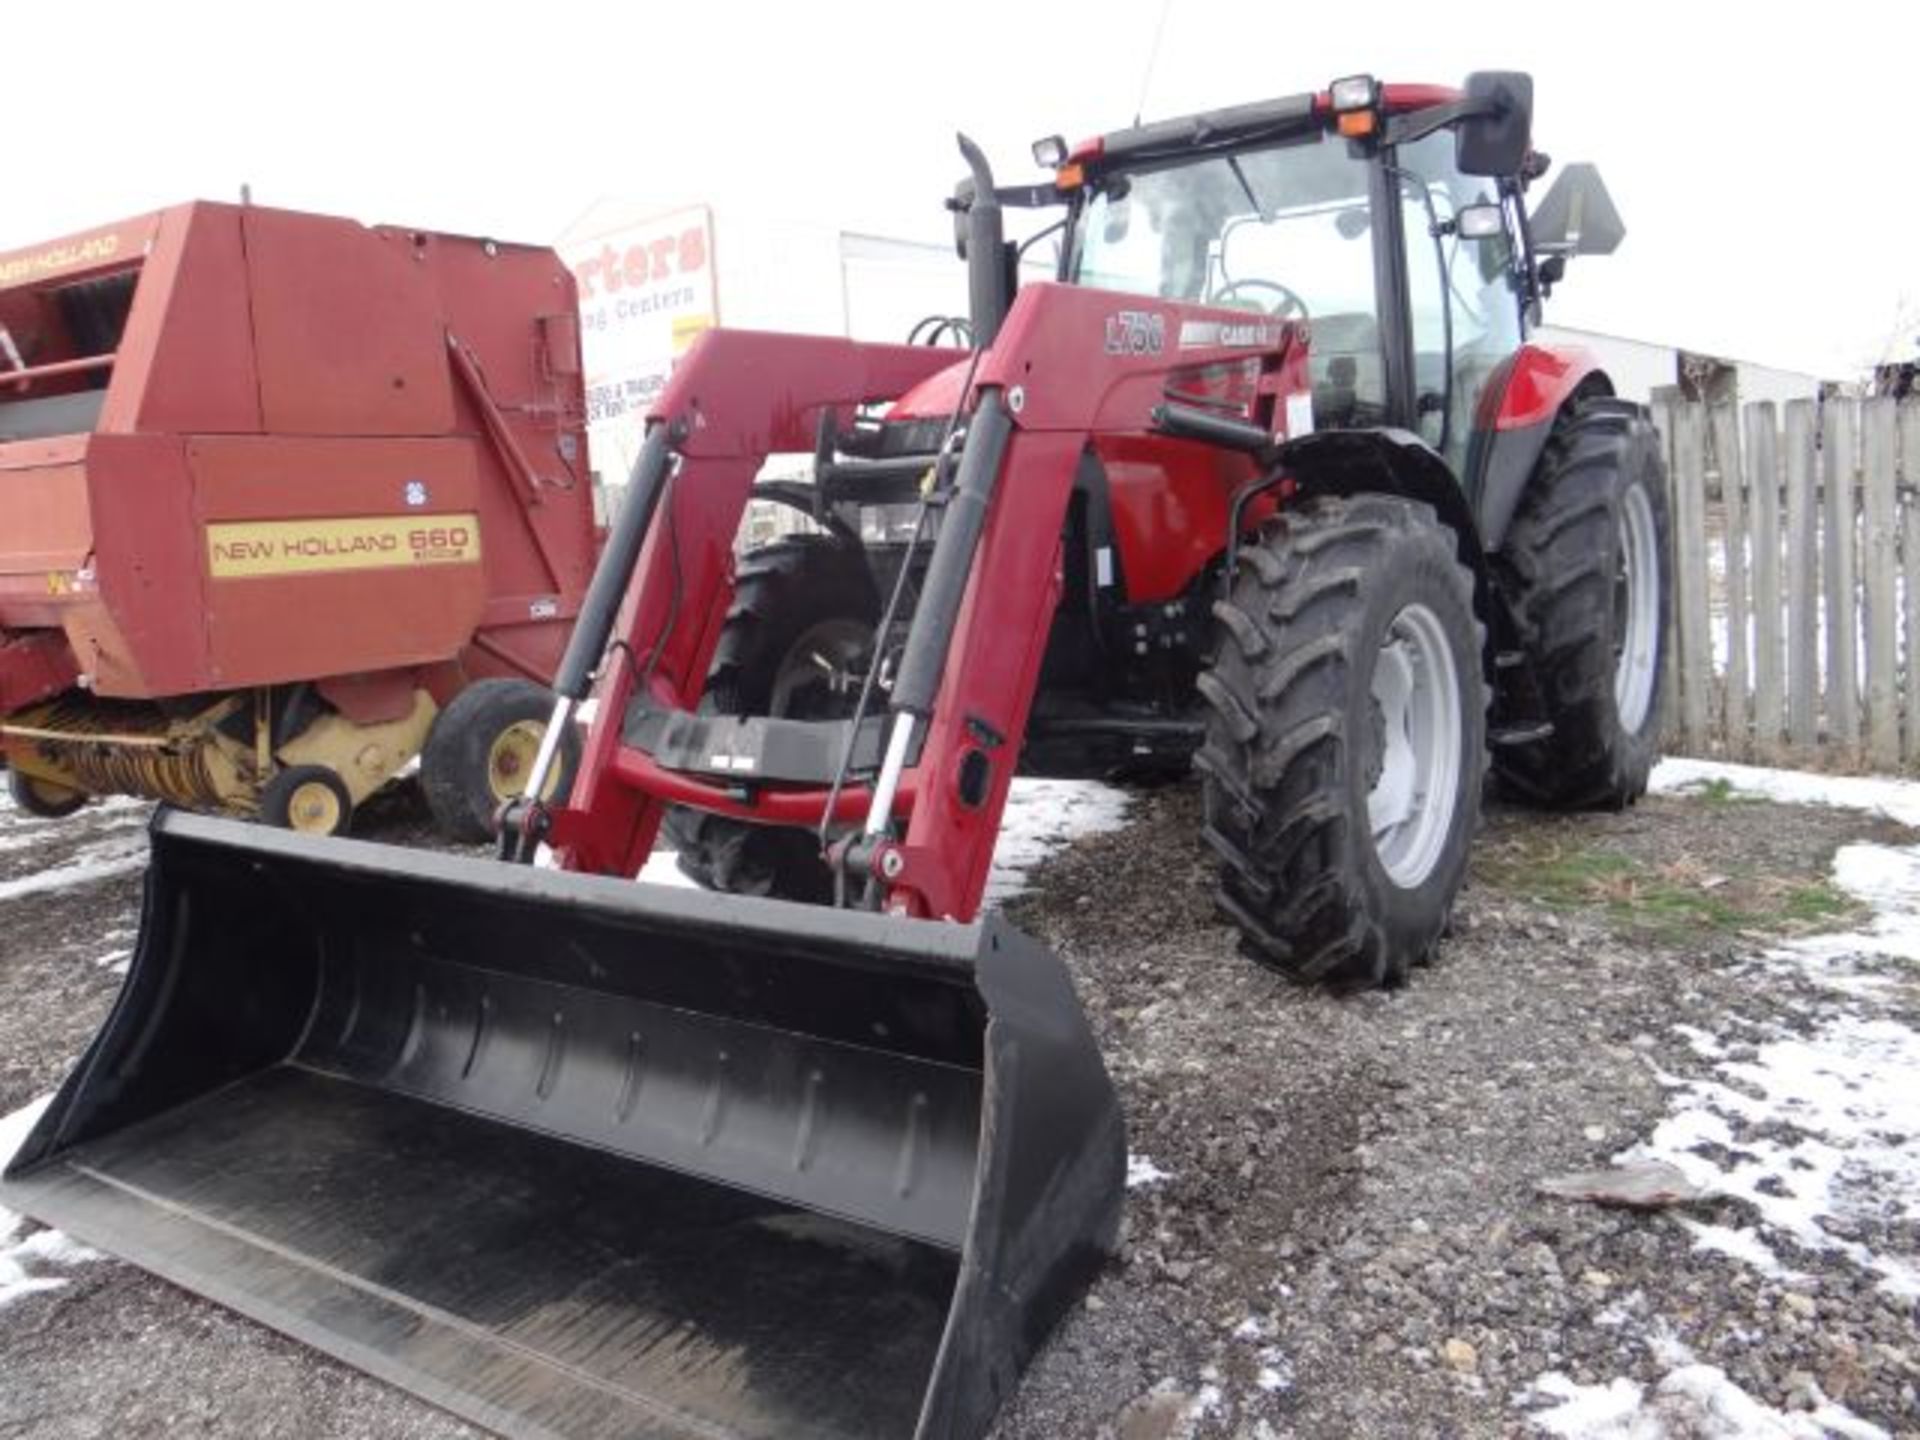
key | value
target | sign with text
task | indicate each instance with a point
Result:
(366, 542)
(646, 290)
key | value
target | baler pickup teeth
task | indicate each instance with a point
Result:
(574, 1156)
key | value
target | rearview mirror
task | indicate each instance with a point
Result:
(1497, 142)
(1576, 216)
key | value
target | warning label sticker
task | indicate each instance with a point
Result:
(371, 542)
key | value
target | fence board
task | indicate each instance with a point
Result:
(1909, 426)
(1695, 670)
(1763, 511)
(1838, 494)
(1878, 588)
(1663, 402)
(1725, 422)
(1803, 652)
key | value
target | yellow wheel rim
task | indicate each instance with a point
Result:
(47, 792)
(313, 808)
(510, 760)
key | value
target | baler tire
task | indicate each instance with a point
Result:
(286, 800)
(1562, 567)
(463, 766)
(783, 592)
(1290, 763)
(43, 799)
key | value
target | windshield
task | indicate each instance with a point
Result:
(1283, 231)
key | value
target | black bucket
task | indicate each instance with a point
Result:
(574, 1156)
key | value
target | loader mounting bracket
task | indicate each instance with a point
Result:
(758, 748)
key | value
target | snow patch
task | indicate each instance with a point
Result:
(1814, 1124)
(22, 1258)
(1816, 1127)
(89, 864)
(1276, 1370)
(1739, 1242)
(1875, 794)
(1043, 816)
(1693, 1402)
(663, 868)
(1593, 1412)
(1142, 1171)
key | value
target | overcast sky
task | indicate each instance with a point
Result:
(1767, 171)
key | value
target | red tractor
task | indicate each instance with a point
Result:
(1268, 480)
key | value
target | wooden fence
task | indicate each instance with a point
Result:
(1795, 634)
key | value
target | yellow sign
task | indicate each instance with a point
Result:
(371, 542)
(35, 265)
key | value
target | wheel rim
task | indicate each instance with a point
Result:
(1416, 711)
(48, 793)
(1636, 611)
(820, 676)
(313, 808)
(510, 760)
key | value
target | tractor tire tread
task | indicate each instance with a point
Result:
(1277, 797)
(1555, 568)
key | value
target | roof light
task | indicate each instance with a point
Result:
(1355, 123)
(1070, 177)
(1050, 152)
(1356, 92)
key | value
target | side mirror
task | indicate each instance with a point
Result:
(1576, 216)
(1480, 222)
(1497, 142)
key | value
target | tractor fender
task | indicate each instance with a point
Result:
(1390, 461)
(1524, 398)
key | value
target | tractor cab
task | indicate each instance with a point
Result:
(1388, 219)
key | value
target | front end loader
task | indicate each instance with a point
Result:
(825, 1154)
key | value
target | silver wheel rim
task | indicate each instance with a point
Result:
(1636, 611)
(820, 676)
(1416, 708)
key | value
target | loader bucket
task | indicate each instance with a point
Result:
(570, 1155)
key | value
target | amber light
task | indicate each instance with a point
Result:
(1070, 177)
(1355, 123)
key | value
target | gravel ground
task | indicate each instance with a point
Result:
(1335, 1230)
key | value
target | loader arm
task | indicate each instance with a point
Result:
(1070, 364)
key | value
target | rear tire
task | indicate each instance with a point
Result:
(481, 750)
(1585, 572)
(308, 798)
(44, 799)
(793, 600)
(1345, 750)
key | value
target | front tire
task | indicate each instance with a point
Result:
(1585, 571)
(1346, 746)
(795, 644)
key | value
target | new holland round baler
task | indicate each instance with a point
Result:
(279, 488)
